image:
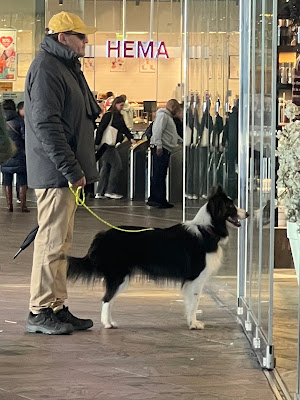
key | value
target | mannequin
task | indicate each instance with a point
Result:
(205, 130)
(217, 140)
(230, 140)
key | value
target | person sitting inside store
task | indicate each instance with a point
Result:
(110, 160)
(109, 98)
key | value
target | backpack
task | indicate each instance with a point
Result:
(148, 131)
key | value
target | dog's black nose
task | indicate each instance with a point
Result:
(247, 214)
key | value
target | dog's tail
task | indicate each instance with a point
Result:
(81, 268)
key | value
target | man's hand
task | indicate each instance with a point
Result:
(133, 141)
(159, 152)
(80, 183)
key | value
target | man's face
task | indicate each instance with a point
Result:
(74, 41)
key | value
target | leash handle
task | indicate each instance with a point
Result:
(81, 202)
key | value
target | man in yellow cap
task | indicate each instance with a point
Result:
(60, 113)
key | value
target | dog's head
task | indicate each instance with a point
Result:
(221, 208)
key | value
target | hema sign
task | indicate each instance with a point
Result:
(136, 49)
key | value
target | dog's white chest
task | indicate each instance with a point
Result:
(214, 261)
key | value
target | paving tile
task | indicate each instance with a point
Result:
(152, 356)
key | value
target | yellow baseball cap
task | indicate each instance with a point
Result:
(65, 22)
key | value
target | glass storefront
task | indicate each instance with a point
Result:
(23, 22)
(218, 57)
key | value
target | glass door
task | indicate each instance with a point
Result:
(230, 72)
(211, 43)
(257, 132)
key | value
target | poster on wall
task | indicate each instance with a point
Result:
(147, 65)
(89, 64)
(234, 68)
(8, 54)
(117, 65)
(23, 64)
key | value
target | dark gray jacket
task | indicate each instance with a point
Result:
(58, 118)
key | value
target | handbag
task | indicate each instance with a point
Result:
(109, 135)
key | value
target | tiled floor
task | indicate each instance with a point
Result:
(151, 356)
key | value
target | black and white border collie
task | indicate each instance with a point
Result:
(188, 253)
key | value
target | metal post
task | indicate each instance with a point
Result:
(297, 394)
(243, 138)
(151, 20)
(272, 167)
(124, 20)
(261, 149)
(185, 93)
(131, 175)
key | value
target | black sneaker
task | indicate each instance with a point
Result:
(153, 203)
(64, 315)
(166, 205)
(47, 322)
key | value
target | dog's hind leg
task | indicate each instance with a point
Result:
(112, 289)
(192, 291)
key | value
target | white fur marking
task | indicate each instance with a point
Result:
(192, 290)
(192, 228)
(105, 315)
(202, 217)
(107, 307)
(242, 214)
(214, 261)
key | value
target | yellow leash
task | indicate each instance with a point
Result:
(81, 202)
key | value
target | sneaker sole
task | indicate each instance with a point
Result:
(39, 329)
(76, 328)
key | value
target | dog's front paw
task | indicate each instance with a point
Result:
(108, 326)
(112, 325)
(196, 325)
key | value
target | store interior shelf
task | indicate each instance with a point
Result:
(289, 49)
(284, 86)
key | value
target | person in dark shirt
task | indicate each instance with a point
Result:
(110, 161)
(178, 119)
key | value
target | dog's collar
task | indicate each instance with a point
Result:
(210, 231)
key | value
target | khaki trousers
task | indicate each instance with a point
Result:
(56, 210)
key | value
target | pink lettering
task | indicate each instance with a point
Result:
(140, 49)
(136, 49)
(128, 46)
(161, 50)
(110, 48)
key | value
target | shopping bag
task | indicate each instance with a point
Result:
(109, 135)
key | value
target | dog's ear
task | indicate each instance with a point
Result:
(216, 190)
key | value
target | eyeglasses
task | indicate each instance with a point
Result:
(80, 36)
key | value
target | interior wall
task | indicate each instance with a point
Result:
(138, 86)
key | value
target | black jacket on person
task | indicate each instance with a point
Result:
(179, 126)
(60, 113)
(117, 122)
(230, 135)
(218, 128)
(207, 122)
(16, 129)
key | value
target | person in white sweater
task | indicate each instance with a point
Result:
(164, 139)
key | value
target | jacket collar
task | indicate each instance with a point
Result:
(58, 50)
